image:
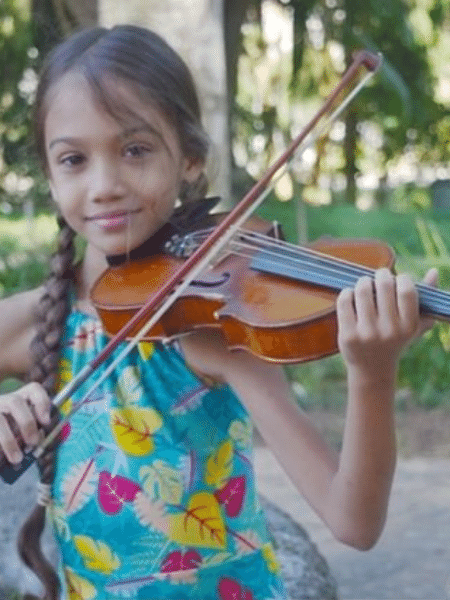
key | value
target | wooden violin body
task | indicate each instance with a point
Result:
(276, 317)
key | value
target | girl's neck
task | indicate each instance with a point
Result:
(90, 269)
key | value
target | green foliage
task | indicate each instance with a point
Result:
(25, 246)
(398, 111)
(21, 183)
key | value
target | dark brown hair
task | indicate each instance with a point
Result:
(149, 67)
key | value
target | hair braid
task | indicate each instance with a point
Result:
(45, 348)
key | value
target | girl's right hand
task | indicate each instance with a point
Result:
(28, 406)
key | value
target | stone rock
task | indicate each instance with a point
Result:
(306, 573)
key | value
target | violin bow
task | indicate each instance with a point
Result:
(199, 260)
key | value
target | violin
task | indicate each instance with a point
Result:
(267, 296)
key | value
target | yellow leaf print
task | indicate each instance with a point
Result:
(64, 372)
(133, 428)
(200, 524)
(66, 407)
(78, 587)
(96, 555)
(220, 465)
(269, 556)
(146, 350)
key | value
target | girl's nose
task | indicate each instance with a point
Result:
(105, 182)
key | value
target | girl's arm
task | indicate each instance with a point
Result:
(349, 491)
(17, 329)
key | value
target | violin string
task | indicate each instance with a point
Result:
(439, 298)
(428, 293)
(302, 266)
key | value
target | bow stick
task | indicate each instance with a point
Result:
(197, 262)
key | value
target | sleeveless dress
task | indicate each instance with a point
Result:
(154, 495)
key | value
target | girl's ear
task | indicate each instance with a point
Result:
(193, 168)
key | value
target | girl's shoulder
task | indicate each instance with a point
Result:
(17, 329)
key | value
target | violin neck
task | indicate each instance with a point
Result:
(333, 274)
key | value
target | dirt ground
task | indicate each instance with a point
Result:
(424, 433)
(411, 561)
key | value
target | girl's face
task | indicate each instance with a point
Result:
(115, 181)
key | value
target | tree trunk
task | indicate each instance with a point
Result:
(350, 156)
(56, 19)
(195, 30)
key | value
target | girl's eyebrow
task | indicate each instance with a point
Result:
(146, 127)
(123, 134)
(62, 140)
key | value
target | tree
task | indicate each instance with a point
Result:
(400, 104)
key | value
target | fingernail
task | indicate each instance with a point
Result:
(16, 458)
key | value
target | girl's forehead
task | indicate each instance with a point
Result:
(72, 101)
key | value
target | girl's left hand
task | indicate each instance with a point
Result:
(378, 318)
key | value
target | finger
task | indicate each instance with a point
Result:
(40, 401)
(345, 309)
(23, 416)
(9, 443)
(431, 277)
(408, 304)
(386, 301)
(366, 312)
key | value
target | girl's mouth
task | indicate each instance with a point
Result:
(113, 220)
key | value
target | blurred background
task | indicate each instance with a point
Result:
(263, 67)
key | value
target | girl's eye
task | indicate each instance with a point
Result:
(137, 150)
(71, 160)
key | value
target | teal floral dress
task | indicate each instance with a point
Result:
(154, 496)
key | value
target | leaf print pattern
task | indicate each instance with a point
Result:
(79, 486)
(232, 495)
(151, 513)
(85, 337)
(78, 587)
(200, 524)
(159, 489)
(241, 433)
(113, 492)
(229, 589)
(97, 555)
(161, 481)
(181, 561)
(129, 388)
(64, 373)
(219, 465)
(146, 350)
(189, 401)
(270, 558)
(133, 428)
(247, 541)
(59, 519)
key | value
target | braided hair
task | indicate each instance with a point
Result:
(151, 68)
(50, 316)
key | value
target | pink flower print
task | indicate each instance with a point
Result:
(113, 492)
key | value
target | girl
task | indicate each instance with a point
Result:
(153, 494)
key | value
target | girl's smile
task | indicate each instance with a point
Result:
(114, 220)
(114, 179)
